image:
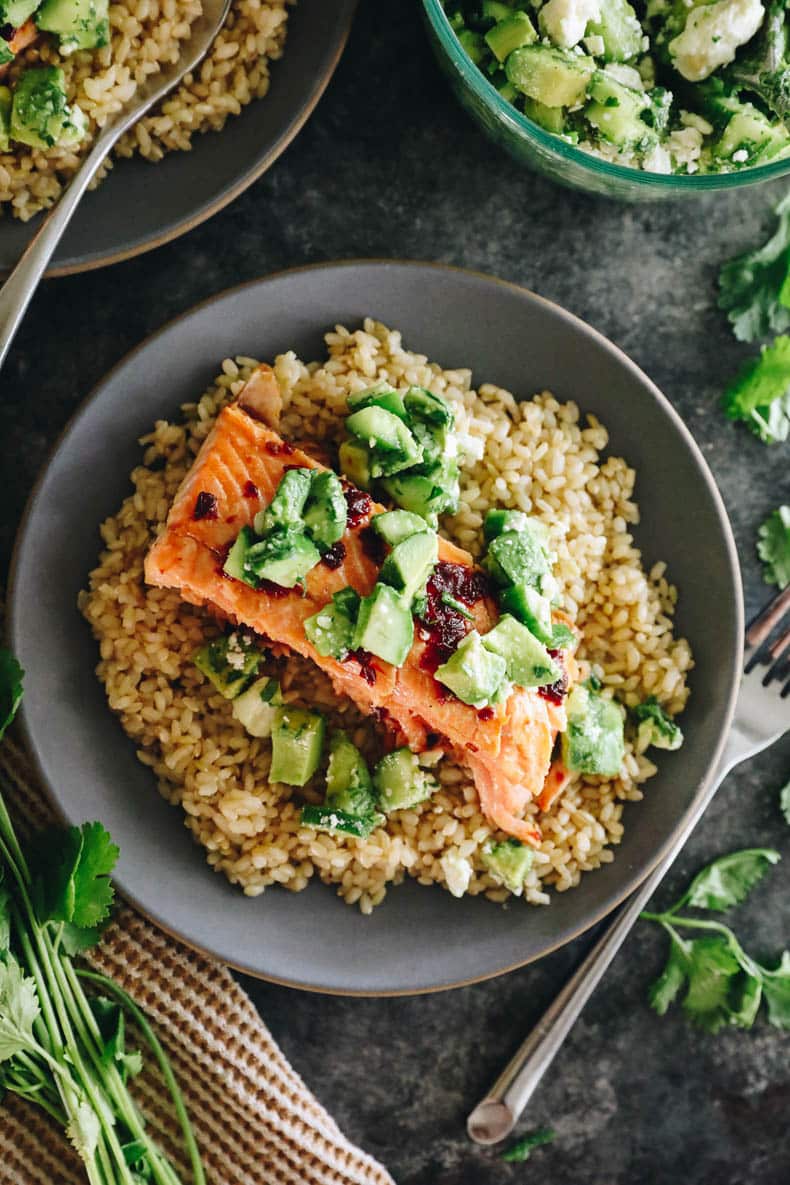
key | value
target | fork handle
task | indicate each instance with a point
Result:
(495, 1115)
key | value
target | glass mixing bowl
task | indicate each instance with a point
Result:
(552, 157)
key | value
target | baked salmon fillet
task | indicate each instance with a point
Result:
(507, 747)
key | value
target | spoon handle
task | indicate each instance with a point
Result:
(17, 292)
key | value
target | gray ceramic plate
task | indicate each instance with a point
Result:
(142, 205)
(420, 938)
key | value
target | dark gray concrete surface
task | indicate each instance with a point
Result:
(389, 166)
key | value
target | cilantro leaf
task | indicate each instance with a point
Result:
(522, 1149)
(753, 288)
(747, 995)
(730, 879)
(664, 991)
(784, 801)
(83, 1130)
(773, 547)
(18, 1008)
(73, 884)
(776, 988)
(760, 394)
(655, 727)
(711, 969)
(562, 636)
(112, 1026)
(11, 675)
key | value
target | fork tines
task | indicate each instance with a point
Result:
(772, 652)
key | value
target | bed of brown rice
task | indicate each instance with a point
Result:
(537, 455)
(145, 35)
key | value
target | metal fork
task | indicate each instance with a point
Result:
(762, 716)
(18, 290)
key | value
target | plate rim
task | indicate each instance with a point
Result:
(184, 225)
(638, 877)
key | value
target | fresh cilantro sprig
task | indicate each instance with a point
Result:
(759, 395)
(523, 1148)
(59, 1048)
(754, 288)
(784, 802)
(722, 984)
(773, 547)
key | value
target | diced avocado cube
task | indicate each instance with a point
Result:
(473, 45)
(396, 525)
(79, 24)
(410, 563)
(15, 12)
(473, 673)
(384, 625)
(555, 77)
(391, 444)
(401, 782)
(287, 505)
(234, 564)
(528, 606)
(423, 405)
(429, 494)
(593, 742)
(513, 32)
(284, 557)
(508, 861)
(550, 118)
(499, 520)
(562, 637)
(529, 663)
(349, 786)
(331, 629)
(255, 707)
(385, 397)
(40, 115)
(229, 663)
(328, 818)
(325, 511)
(620, 30)
(5, 118)
(656, 727)
(297, 745)
(516, 557)
(354, 458)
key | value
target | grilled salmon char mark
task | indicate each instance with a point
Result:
(508, 754)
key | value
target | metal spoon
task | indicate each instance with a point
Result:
(17, 292)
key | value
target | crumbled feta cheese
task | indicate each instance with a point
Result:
(712, 34)
(657, 160)
(566, 20)
(594, 45)
(690, 120)
(457, 872)
(685, 147)
(235, 655)
(625, 74)
(740, 156)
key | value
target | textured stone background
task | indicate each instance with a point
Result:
(389, 166)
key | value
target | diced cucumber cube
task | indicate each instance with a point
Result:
(349, 787)
(593, 742)
(327, 818)
(509, 862)
(229, 663)
(401, 782)
(287, 505)
(297, 745)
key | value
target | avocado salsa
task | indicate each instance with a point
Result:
(668, 86)
(416, 595)
(34, 109)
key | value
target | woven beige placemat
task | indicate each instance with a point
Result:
(255, 1120)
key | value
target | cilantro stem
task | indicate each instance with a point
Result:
(109, 985)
